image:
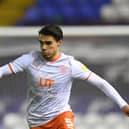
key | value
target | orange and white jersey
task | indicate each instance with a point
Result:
(50, 84)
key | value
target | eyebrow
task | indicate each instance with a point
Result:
(45, 42)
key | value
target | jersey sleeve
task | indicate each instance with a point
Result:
(107, 88)
(18, 65)
(79, 70)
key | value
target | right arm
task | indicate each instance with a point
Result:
(18, 65)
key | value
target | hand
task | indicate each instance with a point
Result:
(125, 109)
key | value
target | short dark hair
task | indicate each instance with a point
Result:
(52, 30)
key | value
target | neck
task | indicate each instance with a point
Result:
(55, 57)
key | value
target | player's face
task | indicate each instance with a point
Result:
(49, 46)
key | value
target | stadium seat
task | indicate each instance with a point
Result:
(69, 14)
(62, 2)
(80, 2)
(50, 2)
(33, 14)
(66, 12)
(89, 13)
(31, 17)
(49, 14)
(100, 2)
(41, 2)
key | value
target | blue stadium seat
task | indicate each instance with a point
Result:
(65, 11)
(49, 14)
(80, 2)
(61, 2)
(32, 13)
(100, 2)
(69, 14)
(41, 2)
(52, 2)
(31, 17)
(89, 13)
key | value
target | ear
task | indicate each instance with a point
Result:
(59, 43)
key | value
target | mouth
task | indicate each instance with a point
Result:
(45, 54)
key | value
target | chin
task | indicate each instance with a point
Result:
(47, 57)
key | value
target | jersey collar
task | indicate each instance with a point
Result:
(56, 58)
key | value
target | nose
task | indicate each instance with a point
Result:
(44, 46)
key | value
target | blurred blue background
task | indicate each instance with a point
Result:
(64, 12)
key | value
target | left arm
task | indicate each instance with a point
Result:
(80, 71)
(109, 91)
